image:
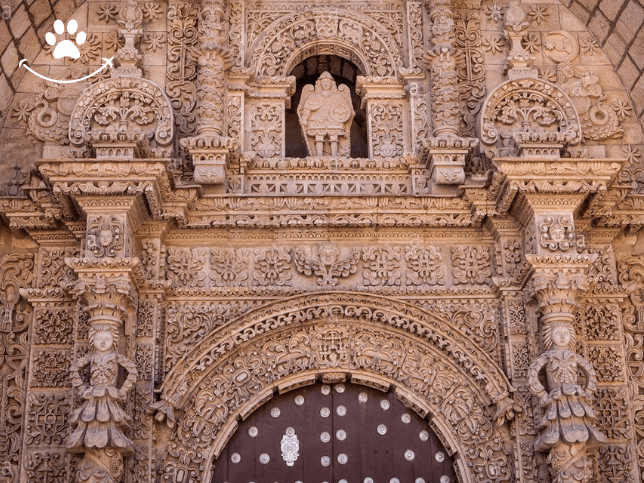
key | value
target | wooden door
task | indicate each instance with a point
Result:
(340, 433)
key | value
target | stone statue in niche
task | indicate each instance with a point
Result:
(326, 114)
(568, 422)
(101, 421)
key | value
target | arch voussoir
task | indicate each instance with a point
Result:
(367, 340)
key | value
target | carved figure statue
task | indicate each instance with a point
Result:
(101, 420)
(568, 421)
(326, 114)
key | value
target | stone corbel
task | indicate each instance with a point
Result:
(385, 101)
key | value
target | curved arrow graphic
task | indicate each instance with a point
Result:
(107, 62)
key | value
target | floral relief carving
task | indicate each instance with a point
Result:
(50, 368)
(46, 467)
(520, 359)
(601, 321)
(525, 419)
(105, 236)
(471, 264)
(608, 363)
(517, 318)
(613, 414)
(187, 324)
(150, 250)
(54, 326)
(47, 419)
(272, 267)
(181, 68)
(185, 266)
(53, 272)
(146, 317)
(327, 264)
(265, 125)
(424, 265)
(229, 268)
(381, 266)
(528, 110)
(124, 109)
(368, 41)
(615, 463)
(144, 360)
(470, 69)
(386, 129)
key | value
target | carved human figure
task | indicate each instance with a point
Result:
(568, 422)
(326, 113)
(101, 421)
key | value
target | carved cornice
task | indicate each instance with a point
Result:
(559, 179)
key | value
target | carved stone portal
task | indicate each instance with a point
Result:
(326, 114)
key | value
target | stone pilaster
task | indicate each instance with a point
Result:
(211, 145)
(446, 149)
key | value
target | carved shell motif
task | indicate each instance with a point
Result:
(290, 447)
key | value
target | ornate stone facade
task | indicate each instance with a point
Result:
(463, 217)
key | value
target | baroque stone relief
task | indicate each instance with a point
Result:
(211, 284)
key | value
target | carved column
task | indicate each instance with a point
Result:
(211, 145)
(106, 288)
(447, 150)
(544, 201)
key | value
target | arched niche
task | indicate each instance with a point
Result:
(344, 72)
(433, 368)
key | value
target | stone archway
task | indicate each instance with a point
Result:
(429, 365)
(339, 432)
(325, 30)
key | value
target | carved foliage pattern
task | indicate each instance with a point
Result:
(181, 68)
(386, 129)
(50, 368)
(266, 128)
(471, 264)
(47, 419)
(273, 51)
(253, 368)
(54, 326)
(16, 271)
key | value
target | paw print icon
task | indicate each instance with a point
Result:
(66, 48)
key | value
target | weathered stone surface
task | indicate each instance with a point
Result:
(204, 222)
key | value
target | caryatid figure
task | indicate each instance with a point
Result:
(326, 114)
(568, 422)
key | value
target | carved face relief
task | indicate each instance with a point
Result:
(561, 337)
(105, 238)
(103, 341)
(328, 254)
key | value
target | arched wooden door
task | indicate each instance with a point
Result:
(342, 433)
